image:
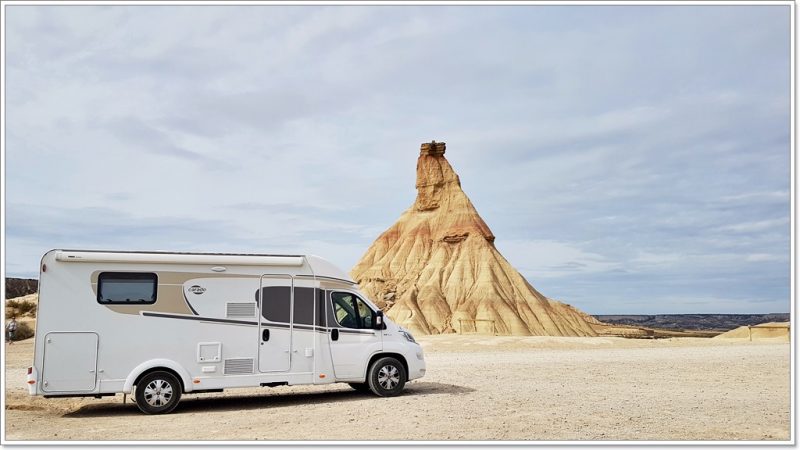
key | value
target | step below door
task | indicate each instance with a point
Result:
(70, 362)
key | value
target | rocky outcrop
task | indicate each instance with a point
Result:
(436, 270)
(769, 330)
(18, 287)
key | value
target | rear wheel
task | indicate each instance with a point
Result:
(158, 393)
(386, 377)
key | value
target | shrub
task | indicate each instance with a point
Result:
(24, 331)
(22, 308)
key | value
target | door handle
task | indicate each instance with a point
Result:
(334, 334)
(265, 335)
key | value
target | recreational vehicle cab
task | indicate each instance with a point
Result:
(160, 325)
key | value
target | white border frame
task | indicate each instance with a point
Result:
(792, 149)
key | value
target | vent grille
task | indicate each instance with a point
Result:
(237, 366)
(240, 309)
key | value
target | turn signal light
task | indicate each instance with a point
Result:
(31, 381)
(322, 375)
(196, 381)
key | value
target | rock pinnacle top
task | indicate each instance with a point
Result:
(432, 148)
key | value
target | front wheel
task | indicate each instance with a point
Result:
(158, 393)
(386, 377)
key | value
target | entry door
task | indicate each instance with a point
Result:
(70, 362)
(351, 337)
(276, 300)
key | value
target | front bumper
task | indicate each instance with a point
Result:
(416, 365)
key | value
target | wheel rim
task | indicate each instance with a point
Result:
(158, 393)
(388, 377)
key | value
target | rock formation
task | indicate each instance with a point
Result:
(17, 287)
(769, 330)
(436, 270)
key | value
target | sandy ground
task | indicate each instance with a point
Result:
(477, 388)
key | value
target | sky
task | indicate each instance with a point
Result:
(629, 159)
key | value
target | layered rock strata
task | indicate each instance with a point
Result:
(436, 270)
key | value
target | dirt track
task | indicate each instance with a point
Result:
(477, 388)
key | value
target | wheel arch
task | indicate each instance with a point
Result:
(158, 364)
(380, 355)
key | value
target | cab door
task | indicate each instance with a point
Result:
(352, 337)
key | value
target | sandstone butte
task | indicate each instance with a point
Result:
(769, 330)
(436, 270)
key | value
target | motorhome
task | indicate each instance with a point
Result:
(158, 325)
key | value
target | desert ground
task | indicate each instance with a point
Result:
(477, 388)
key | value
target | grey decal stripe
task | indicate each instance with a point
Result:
(204, 319)
(252, 323)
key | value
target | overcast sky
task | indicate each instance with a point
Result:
(629, 159)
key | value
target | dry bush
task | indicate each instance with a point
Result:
(22, 308)
(24, 331)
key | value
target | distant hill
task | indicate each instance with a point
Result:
(719, 322)
(18, 287)
(770, 330)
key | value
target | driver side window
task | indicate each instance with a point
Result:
(364, 314)
(350, 311)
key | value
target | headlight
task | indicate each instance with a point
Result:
(408, 336)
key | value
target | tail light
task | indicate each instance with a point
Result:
(30, 370)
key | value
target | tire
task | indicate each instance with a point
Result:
(386, 377)
(158, 392)
(360, 387)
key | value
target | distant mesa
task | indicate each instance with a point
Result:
(436, 270)
(18, 287)
(769, 330)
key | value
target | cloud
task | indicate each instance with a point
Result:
(150, 139)
(547, 259)
(772, 196)
(758, 225)
(626, 156)
(760, 257)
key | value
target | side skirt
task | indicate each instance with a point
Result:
(78, 395)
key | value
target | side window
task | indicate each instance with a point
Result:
(127, 288)
(303, 306)
(364, 314)
(343, 309)
(276, 302)
(350, 311)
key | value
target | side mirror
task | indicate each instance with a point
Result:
(379, 320)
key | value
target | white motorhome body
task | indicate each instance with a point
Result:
(161, 324)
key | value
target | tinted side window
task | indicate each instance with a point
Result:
(343, 309)
(364, 314)
(276, 301)
(321, 318)
(350, 311)
(127, 288)
(304, 305)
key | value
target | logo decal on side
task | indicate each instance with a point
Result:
(197, 290)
